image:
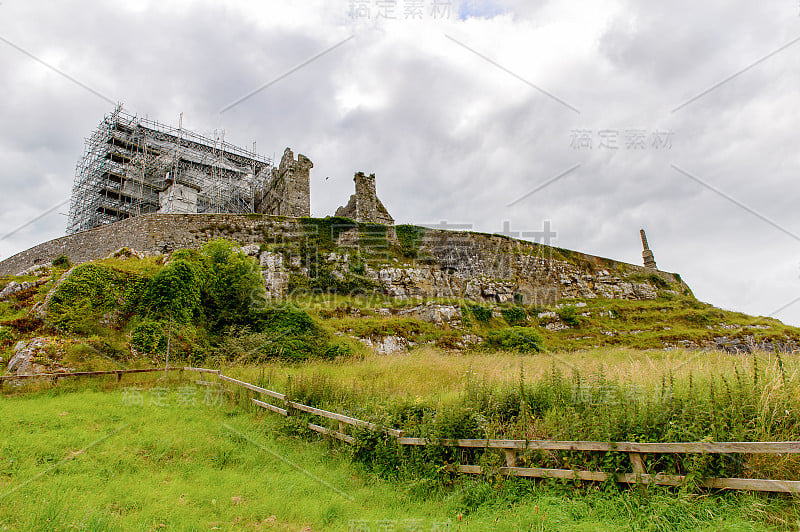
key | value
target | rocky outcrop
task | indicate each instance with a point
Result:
(276, 276)
(14, 288)
(388, 345)
(532, 281)
(31, 358)
(40, 310)
(455, 264)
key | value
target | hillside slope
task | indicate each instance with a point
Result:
(329, 296)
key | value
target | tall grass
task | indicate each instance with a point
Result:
(178, 467)
(608, 397)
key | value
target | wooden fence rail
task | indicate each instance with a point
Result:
(512, 448)
(625, 447)
(118, 372)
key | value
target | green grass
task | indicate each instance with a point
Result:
(605, 395)
(178, 466)
(657, 323)
(80, 456)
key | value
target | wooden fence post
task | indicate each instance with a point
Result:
(511, 457)
(637, 462)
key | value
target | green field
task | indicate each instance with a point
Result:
(150, 455)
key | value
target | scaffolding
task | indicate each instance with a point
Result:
(133, 166)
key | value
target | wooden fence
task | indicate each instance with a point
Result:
(55, 376)
(512, 448)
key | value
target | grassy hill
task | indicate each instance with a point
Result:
(141, 455)
(211, 304)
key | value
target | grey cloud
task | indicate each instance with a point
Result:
(449, 136)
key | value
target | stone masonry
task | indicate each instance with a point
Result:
(647, 255)
(286, 190)
(364, 205)
(457, 264)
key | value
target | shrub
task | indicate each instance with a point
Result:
(148, 337)
(482, 314)
(279, 332)
(231, 285)
(409, 237)
(62, 262)
(89, 291)
(174, 292)
(514, 315)
(518, 339)
(569, 315)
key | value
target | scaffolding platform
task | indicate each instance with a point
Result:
(132, 165)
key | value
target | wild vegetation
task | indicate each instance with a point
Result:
(577, 370)
(154, 454)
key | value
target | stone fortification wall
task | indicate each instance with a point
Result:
(452, 264)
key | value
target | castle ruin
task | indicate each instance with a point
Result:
(133, 166)
(286, 190)
(152, 188)
(364, 205)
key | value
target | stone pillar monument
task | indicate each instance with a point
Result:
(647, 255)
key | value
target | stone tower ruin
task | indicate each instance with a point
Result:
(364, 205)
(286, 190)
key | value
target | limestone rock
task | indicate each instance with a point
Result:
(276, 277)
(38, 270)
(467, 340)
(126, 253)
(22, 362)
(387, 345)
(40, 311)
(14, 288)
(251, 250)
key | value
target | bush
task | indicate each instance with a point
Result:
(410, 238)
(148, 337)
(569, 315)
(174, 292)
(482, 314)
(231, 286)
(89, 291)
(518, 339)
(514, 315)
(62, 262)
(280, 332)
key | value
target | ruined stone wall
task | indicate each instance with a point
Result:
(453, 264)
(364, 205)
(152, 234)
(287, 189)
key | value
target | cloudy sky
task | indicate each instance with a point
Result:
(601, 117)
